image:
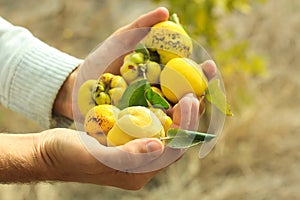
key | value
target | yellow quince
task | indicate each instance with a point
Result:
(181, 76)
(134, 122)
(170, 40)
(99, 121)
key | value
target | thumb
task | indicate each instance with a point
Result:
(147, 20)
(151, 146)
(134, 154)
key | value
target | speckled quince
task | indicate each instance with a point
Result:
(132, 123)
(170, 40)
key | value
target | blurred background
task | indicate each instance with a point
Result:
(256, 46)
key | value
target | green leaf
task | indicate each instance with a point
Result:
(142, 49)
(175, 18)
(216, 96)
(148, 54)
(155, 99)
(134, 95)
(179, 138)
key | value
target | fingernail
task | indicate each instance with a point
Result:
(210, 68)
(154, 146)
(212, 62)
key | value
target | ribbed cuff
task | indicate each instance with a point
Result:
(37, 80)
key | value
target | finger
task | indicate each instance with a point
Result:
(108, 56)
(176, 117)
(147, 20)
(201, 106)
(209, 68)
(134, 154)
(184, 111)
(149, 145)
(151, 18)
(194, 119)
(131, 34)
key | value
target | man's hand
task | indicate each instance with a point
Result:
(63, 102)
(63, 155)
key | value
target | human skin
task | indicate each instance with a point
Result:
(59, 154)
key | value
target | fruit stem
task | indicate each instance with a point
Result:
(143, 69)
(166, 138)
(175, 18)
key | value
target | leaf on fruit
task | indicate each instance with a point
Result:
(216, 96)
(155, 99)
(148, 54)
(174, 18)
(134, 95)
(179, 138)
(142, 49)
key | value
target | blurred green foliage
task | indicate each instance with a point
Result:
(201, 19)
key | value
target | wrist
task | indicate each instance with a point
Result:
(20, 160)
(63, 101)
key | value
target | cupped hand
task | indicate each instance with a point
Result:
(65, 157)
(108, 56)
(64, 153)
(68, 155)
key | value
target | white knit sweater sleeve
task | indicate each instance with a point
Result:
(31, 73)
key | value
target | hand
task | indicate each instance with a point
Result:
(65, 158)
(186, 112)
(63, 102)
(63, 151)
(108, 56)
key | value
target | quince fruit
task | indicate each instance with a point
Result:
(108, 89)
(85, 99)
(132, 123)
(165, 120)
(181, 76)
(99, 121)
(169, 40)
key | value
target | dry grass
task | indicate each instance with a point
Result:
(256, 157)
